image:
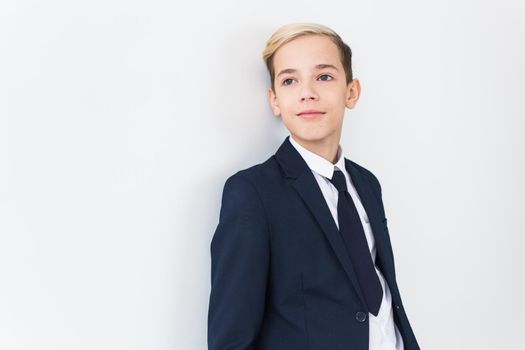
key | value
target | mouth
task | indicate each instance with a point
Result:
(310, 114)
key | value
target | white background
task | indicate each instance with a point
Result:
(121, 120)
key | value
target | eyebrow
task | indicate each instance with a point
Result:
(319, 66)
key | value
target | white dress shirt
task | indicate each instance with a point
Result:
(384, 334)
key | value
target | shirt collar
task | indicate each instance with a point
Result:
(319, 164)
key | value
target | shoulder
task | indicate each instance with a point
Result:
(255, 176)
(252, 182)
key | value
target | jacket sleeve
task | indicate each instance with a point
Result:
(239, 268)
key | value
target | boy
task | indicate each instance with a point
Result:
(301, 257)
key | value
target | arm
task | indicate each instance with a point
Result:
(239, 268)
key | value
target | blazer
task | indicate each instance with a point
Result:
(281, 278)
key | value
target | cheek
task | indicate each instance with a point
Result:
(286, 102)
(337, 99)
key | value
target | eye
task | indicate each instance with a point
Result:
(287, 81)
(325, 77)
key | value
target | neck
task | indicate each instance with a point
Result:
(325, 148)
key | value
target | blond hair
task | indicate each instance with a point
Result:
(292, 31)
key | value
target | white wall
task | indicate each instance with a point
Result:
(121, 120)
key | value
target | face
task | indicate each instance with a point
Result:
(311, 93)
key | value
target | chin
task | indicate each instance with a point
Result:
(310, 137)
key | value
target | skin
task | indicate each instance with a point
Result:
(309, 75)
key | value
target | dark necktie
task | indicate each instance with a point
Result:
(353, 235)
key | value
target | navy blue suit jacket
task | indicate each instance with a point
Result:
(281, 278)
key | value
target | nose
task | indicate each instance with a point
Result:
(308, 92)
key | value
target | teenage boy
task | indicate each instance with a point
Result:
(301, 257)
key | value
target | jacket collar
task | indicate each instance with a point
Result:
(317, 163)
(290, 160)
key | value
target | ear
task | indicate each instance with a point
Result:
(274, 103)
(353, 91)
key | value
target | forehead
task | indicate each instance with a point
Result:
(306, 52)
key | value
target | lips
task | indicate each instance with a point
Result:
(311, 113)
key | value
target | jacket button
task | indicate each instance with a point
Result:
(360, 316)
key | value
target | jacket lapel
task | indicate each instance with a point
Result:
(303, 181)
(373, 211)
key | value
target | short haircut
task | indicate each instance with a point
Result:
(292, 31)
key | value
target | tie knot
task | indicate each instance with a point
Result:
(338, 179)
